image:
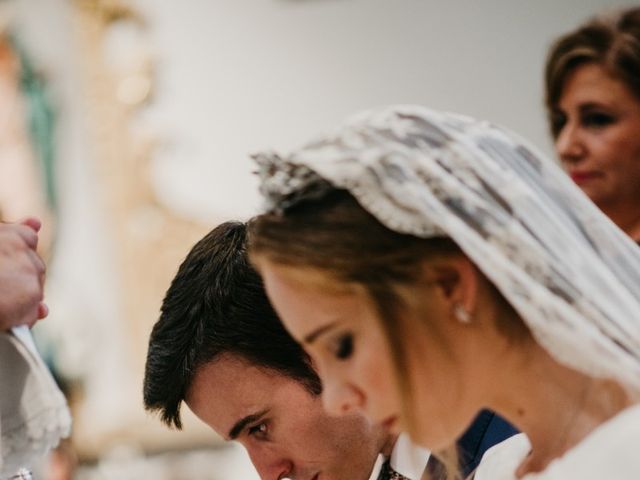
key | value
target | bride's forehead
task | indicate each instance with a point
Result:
(305, 279)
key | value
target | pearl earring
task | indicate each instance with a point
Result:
(461, 313)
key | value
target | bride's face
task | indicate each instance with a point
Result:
(339, 328)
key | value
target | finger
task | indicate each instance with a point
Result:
(39, 265)
(43, 310)
(28, 316)
(32, 222)
(28, 235)
(37, 309)
(33, 319)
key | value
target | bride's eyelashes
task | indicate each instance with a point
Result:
(344, 346)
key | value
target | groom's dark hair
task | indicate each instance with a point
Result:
(216, 305)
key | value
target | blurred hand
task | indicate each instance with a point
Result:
(22, 274)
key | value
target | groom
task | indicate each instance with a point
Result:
(219, 347)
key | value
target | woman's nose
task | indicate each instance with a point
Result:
(569, 145)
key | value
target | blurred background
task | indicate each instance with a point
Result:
(126, 126)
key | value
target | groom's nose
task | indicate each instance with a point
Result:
(270, 466)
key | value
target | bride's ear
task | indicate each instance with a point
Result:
(457, 281)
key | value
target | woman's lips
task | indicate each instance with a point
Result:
(584, 177)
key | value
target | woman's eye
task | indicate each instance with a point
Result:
(344, 347)
(558, 121)
(597, 119)
(259, 430)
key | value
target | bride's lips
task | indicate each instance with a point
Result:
(389, 423)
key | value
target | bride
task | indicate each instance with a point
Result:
(433, 265)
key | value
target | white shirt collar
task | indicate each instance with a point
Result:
(407, 459)
(375, 473)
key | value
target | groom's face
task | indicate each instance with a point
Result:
(281, 424)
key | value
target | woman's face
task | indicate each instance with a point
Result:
(598, 120)
(338, 327)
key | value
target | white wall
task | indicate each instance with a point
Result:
(242, 75)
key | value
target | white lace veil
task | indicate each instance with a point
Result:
(572, 275)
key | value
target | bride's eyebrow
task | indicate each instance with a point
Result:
(313, 336)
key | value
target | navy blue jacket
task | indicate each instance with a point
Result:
(486, 430)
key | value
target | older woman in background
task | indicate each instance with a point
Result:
(593, 103)
(433, 265)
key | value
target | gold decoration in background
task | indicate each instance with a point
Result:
(22, 191)
(150, 240)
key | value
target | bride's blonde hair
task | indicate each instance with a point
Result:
(335, 235)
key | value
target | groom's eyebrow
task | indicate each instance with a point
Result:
(241, 424)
